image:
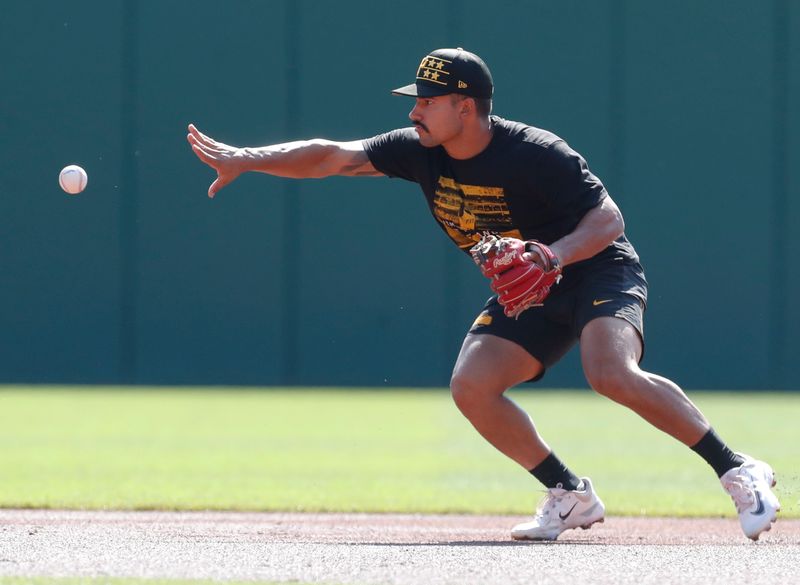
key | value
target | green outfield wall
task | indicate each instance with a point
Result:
(689, 112)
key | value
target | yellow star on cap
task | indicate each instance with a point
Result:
(426, 73)
(434, 75)
(440, 64)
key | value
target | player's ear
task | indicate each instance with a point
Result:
(466, 106)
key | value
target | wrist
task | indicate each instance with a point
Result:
(558, 256)
(248, 159)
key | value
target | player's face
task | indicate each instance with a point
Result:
(437, 120)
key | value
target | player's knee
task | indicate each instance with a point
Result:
(615, 382)
(462, 391)
(469, 396)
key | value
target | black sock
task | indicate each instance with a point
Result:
(716, 453)
(552, 472)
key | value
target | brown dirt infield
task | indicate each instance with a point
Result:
(387, 548)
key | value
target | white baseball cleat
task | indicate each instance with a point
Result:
(749, 487)
(561, 510)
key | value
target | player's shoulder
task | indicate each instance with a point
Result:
(527, 137)
(545, 147)
(397, 153)
(404, 136)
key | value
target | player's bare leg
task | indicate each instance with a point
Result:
(610, 352)
(486, 367)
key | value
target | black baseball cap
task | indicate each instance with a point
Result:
(447, 71)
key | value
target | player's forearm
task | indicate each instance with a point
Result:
(302, 159)
(595, 232)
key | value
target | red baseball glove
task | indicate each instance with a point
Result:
(521, 272)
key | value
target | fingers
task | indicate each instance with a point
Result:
(214, 154)
(207, 153)
(200, 137)
(194, 140)
(537, 257)
(212, 149)
(194, 134)
(218, 184)
(209, 145)
(204, 155)
(192, 137)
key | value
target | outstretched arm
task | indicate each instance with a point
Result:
(304, 159)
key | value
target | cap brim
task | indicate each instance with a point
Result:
(414, 90)
(409, 90)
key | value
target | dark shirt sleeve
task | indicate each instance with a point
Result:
(567, 186)
(397, 154)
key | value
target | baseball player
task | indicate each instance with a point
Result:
(550, 239)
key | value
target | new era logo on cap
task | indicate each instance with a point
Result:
(450, 71)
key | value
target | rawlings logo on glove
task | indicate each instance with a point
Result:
(519, 278)
(504, 260)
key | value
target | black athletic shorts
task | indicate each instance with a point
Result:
(612, 288)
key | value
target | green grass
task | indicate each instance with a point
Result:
(371, 451)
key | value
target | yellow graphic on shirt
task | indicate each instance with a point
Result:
(483, 319)
(467, 211)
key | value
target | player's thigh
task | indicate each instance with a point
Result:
(611, 348)
(609, 319)
(491, 364)
(543, 334)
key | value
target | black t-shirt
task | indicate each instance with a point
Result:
(527, 183)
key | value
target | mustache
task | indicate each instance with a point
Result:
(420, 125)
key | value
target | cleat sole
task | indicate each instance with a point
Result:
(590, 524)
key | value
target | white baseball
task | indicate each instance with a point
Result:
(73, 179)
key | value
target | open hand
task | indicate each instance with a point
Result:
(227, 160)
